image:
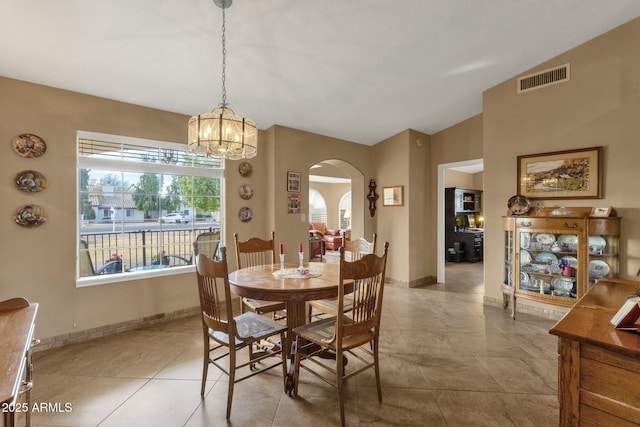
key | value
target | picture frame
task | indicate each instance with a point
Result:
(569, 174)
(293, 182)
(600, 212)
(393, 196)
(293, 203)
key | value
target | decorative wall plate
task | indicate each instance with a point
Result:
(519, 205)
(30, 216)
(245, 169)
(29, 145)
(31, 181)
(245, 191)
(245, 214)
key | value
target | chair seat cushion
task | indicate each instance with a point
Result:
(251, 326)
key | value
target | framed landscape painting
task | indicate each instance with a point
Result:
(570, 174)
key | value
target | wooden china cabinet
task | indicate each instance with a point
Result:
(555, 256)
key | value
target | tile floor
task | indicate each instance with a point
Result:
(446, 360)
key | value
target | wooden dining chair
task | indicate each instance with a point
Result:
(355, 332)
(225, 335)
(250, 253)
(354, 250)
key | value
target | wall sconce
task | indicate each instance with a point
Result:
(372, 197)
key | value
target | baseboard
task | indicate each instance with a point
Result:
(429, 280)
(116, 328)
(548, 313)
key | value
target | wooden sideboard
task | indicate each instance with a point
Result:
(598, 366)
(17, 322)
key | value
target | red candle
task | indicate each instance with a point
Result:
(281, 249)
(300, 248)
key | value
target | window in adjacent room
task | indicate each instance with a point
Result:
(317, 207)
(344, 211)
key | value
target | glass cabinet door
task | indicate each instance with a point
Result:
(602, 258)
(548, 263)
(508, 254)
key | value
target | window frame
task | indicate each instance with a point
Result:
(318, 196)
(139, 166)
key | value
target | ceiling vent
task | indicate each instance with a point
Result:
(543, 78)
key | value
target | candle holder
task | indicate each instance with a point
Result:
(282, 263)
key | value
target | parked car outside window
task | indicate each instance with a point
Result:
(176, 217)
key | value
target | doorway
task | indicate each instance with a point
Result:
(471, 167)
(336, 179)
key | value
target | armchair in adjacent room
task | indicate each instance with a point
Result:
(333, 239)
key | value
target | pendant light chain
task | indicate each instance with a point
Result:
(224, 60)
(222, 133)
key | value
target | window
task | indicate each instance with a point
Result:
(344, 211)
(317, 207)
(141, 204)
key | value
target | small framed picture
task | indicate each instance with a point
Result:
(293, 182)
(601, 212)
(293, 203)
(392, 196)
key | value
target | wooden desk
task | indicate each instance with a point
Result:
(17, 321)
(598, 366)
(260, 283)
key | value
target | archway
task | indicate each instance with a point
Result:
(337, 177)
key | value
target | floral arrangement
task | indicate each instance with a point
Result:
(160, 258)
(116, 257)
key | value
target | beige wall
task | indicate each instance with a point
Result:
(453, 178)
(296, 150)
(260, 179)
(599, 106)
(39, 263)
(402, 160)
(458, 143)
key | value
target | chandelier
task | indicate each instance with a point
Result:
(221, 132)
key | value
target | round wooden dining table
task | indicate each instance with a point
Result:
(261, 283)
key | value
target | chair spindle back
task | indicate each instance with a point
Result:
(255, 251)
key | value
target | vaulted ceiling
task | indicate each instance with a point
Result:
(360, 70)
